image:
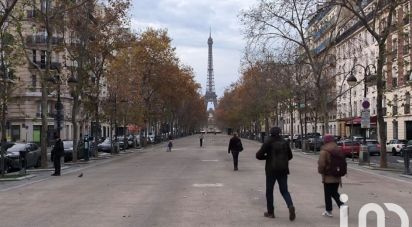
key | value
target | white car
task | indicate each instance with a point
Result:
(395, 146)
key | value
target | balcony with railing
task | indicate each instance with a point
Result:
(42, 40)
(42, 65)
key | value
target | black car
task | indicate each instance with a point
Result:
(33, 157)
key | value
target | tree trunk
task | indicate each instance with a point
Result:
(380, 89)
(75, 110)
(3, 127)
(44, 127)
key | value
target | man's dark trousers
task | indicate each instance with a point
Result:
(57, 166)
(201, 142)
(235, 155)
(283, 187)
(331, 191)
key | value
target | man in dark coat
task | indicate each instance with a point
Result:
(235, 146)
(56, 154)
(277, 153)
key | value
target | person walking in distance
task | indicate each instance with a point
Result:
(235, 146)
(56, 154)
(170, 144)
(332, 166)
(201, 137)
(277, 153)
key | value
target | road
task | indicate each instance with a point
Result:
(192, 186)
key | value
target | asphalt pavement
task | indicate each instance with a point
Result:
(192, 186)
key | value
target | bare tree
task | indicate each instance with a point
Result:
(279, 23)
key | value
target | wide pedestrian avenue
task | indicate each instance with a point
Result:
(192, 186)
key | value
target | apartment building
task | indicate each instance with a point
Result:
(24, 109)
(355, 50)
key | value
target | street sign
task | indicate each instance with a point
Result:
(366, 104)
(365, 118)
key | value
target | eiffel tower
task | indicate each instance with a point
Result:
(210, 95)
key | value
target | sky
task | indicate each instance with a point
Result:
(188, 23)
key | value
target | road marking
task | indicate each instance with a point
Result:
(208, 185)
(210, 160)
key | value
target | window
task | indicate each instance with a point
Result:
(395, 105)
(43, 58)
(394, 82)
(34, 55)
(407, 106)
(33, 81)
(395, 129)
(355, 109)
(394, 47)
(15, 132)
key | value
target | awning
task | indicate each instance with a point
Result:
(357, 120)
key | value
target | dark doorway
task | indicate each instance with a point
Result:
(408, 130)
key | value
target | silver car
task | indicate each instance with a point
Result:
(373, 147)
(33, 157)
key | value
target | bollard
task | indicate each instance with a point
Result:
(364, 155)
(406, 157)
(23, 162)
(86, 148)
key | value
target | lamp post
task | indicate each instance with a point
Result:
(367, 76)
(59, 117)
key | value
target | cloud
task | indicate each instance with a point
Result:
(188, 24)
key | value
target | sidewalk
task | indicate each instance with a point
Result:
(15, 180)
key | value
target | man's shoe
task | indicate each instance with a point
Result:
(268, 215)
(292, 214)
(235, 169)
(327, 214)
(55, 174)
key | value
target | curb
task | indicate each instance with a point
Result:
(18, 178)
(406, 176)
(382, 169)
(45, 170)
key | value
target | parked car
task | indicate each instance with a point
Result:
(68, 150)
(151, 137)
(407, 147)
(8, 144)
(358, 138)
(347, 146)
(295, 137)
(373, 147)
(300, 138)
(395, 146)
(105, 146)
(132, 141)
(33, 157)
(315, 143)
(120, 140)
(286, 137)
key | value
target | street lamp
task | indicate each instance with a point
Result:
(59, 117)
(367, 77)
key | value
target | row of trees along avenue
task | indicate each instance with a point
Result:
(122, 77)
(281, 26)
